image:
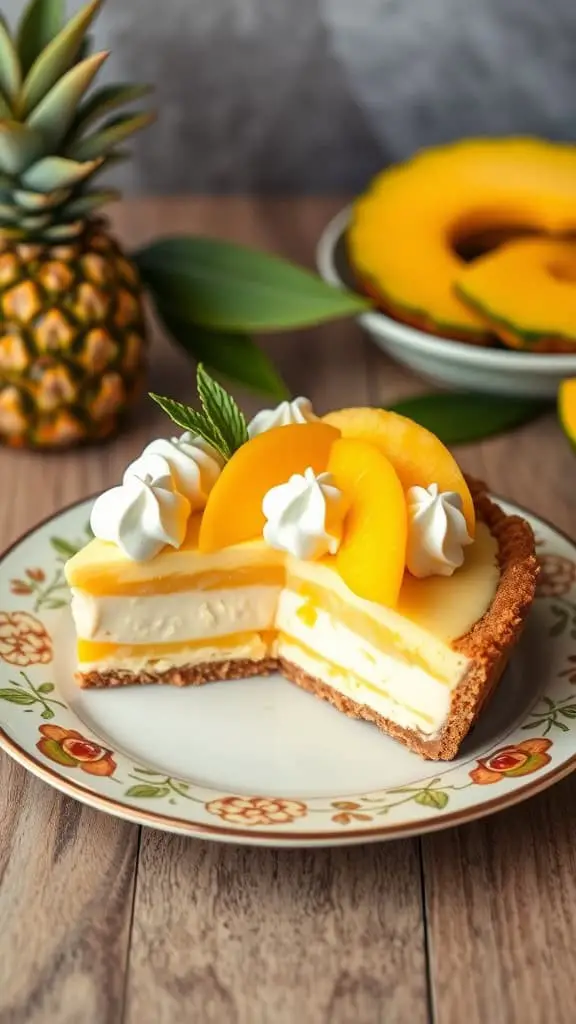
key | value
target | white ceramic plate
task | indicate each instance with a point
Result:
(258, 761)
(445, 362)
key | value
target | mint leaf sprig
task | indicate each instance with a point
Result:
(220, 422)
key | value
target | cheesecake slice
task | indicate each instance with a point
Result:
(350, 554)
(420, 671)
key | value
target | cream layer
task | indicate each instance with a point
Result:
(170, 618)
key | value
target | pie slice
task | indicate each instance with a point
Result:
(420, 667)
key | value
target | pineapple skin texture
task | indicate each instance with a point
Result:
(72, 340)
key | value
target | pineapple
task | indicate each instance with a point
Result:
(72, 327)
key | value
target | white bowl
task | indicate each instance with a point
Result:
(448, 363)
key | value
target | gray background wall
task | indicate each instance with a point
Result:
(315, 95)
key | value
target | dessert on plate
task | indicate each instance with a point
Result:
(347, 552)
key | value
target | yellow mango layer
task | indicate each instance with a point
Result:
(90, 650)
(102, 570)
(210, 579)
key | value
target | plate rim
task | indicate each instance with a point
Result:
(220, 832)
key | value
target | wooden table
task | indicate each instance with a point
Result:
(103, 922)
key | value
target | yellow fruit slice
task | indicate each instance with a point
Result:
(233, 513)
(418, 456)
(372, 555)
(567, 408)
(525, 291)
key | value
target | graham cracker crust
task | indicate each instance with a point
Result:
(488, 646)
(186, 675)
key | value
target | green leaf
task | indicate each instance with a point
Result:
(56, 58)
(19, 146)
(53, 750)
(229, 353)
(569, 711)
(146, 792)
(64, 232)
(191, 419)
(52, 604)
(56, 172)
(90, 201)
(5, 111)
(115, 131)
(234, 288)
(10, 79)
(46, 688)
(47, 713)
(55, 112)
(39, 200)
(8, 214)
(40, 23)
(35, 222)
(180, 786)
(104, 101)
(63, 547)
(118, 156)
(535, 725)
(17, 697)
(459, 418)
(436, 798)
(222, 410)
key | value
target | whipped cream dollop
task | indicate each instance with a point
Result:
(299, 410)
(192, 463)
(437, 532)
(304, 516)
(143, 514)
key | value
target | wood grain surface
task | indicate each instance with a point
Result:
(102, 923)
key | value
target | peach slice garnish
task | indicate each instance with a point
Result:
(418, 456)
(233, 513)
(372, 555)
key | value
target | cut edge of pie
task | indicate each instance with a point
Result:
(487, 646)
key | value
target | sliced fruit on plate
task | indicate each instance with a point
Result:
(417, 455)
(372, 555)
(567, 409)
(233, 513)
(526, 291)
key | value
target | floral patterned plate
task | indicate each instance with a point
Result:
(258, 761)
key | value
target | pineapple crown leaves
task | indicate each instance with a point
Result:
(219, 422)
(53, 139)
